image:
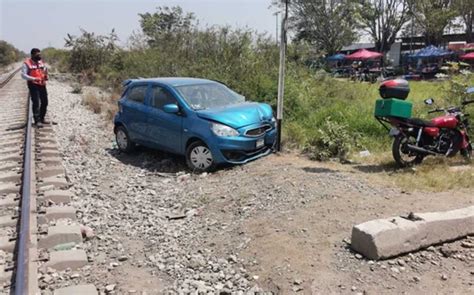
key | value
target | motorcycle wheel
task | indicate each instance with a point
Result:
(402, 156)
(467, 154)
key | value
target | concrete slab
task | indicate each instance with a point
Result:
(61, 234)
(60, 260)
(77, 290)
(385, 238)
(57, 212)
(58, 196)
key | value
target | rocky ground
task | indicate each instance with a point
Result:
(280, 224)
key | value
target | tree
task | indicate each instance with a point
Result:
(166, 23)
(89, 52)
(465, 8)
(382, 20)
(8, 53)
(433, 16)
(326, 24)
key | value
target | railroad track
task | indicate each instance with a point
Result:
(39, 234)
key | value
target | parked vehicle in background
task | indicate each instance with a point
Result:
(203, 120)
(415, 138)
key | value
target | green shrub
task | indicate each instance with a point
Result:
(8, 53)
(333, 140)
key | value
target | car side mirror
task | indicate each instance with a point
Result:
(429, 101)
(171, 108)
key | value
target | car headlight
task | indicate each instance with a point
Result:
(223, 130)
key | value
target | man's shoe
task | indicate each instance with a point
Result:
(39, 124)
(45, 122)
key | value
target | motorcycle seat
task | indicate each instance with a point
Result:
(418, 122)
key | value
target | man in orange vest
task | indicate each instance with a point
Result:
(35, 73)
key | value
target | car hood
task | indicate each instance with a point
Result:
(238, 116)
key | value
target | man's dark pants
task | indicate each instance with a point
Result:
(39, 99)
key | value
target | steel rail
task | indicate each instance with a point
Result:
(23, 249)
(24, 238)
(9, 77)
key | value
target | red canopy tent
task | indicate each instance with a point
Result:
(469, 56)
(364, 54)
(468, 47)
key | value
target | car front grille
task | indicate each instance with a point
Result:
(256, 132)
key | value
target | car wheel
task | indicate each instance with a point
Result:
(199, 157)
(123, 140)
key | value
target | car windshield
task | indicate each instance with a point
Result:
(204, 96)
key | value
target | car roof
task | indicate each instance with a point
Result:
(170, 81)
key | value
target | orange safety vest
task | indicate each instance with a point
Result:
(37, 70)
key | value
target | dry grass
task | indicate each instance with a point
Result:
(105, 104)
(435, 174)
(93, 102)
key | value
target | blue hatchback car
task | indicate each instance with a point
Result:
(201, 119)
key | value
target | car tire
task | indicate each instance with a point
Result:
(123, 141)
(199, 157)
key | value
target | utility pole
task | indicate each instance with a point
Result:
(276, 28)
(281, 76)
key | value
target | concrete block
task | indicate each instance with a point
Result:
(57, 212)
(58, 196)
(49, 153)
(11, 158)
(7, 245)
(10, 177)
(5, 276)
(61, 234)
(15, 149)
(9, 188)
(7, 221)
(77, 290)
(49, 146)
(60, 260)
(49, 171)
(8, 202)
(10, 166)
(50, 161)
(10, 144)
(57, 181)
(385, 238)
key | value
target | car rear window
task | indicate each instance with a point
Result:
(137, 94)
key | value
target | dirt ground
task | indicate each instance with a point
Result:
(280, 224)
(299, 243)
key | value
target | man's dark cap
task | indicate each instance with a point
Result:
(35, 50)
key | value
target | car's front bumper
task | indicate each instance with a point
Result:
(242, 149)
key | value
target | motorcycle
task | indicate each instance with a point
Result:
(446, 135)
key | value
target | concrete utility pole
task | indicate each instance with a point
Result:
(281, 76)
(276, 28)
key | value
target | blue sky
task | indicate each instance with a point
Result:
(29, 23)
